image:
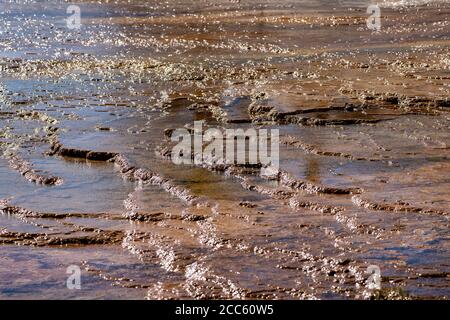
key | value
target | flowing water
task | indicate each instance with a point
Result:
(364, 124)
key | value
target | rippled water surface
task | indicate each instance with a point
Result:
(364, 124)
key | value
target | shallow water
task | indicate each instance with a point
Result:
(365, 129)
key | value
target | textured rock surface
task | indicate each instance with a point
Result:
(87, 115)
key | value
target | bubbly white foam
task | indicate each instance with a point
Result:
(407, 3)
(388, 3)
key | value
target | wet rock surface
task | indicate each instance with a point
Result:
(86, 156)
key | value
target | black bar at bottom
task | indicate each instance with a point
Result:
(244, 309)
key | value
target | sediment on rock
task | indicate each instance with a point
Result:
(284, 178)
(42, 240)
(297, 143)
(94, 236)
(20, 212)
(58, 149)
(134, 213)
(266, 113)
(289, 181)
(420, 105)
(26, 169)
(273, 193)
(160, 216)
(144, 175)
(297, 203)
(115, 281)
(395, 207)
(36, 115)
(126, 169)
(291, 196)
(328, 122)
